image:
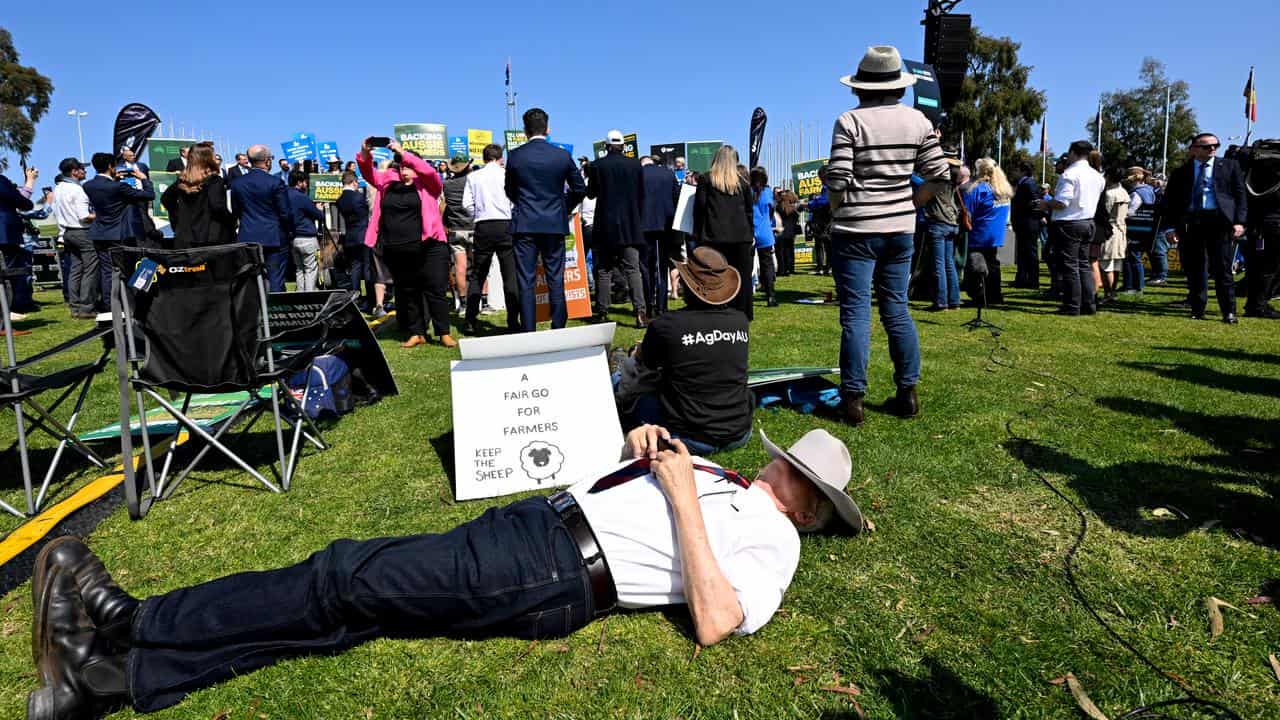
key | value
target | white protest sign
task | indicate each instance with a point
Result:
(533, 411)
(683, 220)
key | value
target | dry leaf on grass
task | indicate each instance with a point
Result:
(926, 632)
(851, 690)
(1082, 699)
(1275, 665)
(1214, 606)
(221, 715)
(801, 668)
(368, 713)
(1262, 600)
(1161, 513)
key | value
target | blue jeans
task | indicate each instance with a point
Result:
(857, 260)
(528, 247)
(1133, 271)
(1160, 258)
(16, 257)
(514, 571)
(942, 239)
(648, 410)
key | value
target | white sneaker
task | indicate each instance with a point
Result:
(16, 317)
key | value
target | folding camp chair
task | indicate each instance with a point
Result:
(19, 388)
(195, 321)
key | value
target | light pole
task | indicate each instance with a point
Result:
(79, 134)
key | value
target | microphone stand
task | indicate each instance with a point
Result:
(978, 323)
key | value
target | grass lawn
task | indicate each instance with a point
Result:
(956, 606)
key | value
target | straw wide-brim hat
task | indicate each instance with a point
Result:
(825, 460)
(709, 276)
(880, 69)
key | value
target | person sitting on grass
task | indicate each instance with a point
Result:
(662, 527)
(689, 373)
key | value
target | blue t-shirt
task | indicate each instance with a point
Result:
(989, 215)
(762, 215)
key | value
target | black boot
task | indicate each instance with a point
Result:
(82, 675)
(905, 403)
(853, 409)
(110, 608)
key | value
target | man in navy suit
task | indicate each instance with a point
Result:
(1205, 205)
(118, 208)
(537, 173)
(661, 192)
(261, 204)
(240, 169)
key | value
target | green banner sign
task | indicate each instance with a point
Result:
(160, 181)
(161, 150)
(804, 178)
(630, 146)
(514, 139)
(325, 188)
(429, 141)
(698, 155)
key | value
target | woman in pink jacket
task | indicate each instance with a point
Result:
(406, 218)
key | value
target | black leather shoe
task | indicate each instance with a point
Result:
(642, 320)
(771, 301)
(1230, 319)
(81, 678)
(853, 414)
(905, 403)
(110, 608)
(1197, 316)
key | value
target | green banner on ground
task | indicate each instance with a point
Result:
(698, 155)
(514, 139)
(160, 181)
(804, 178)
(161, 150)
(325, 188)
(429, 141)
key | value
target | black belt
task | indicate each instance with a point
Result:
(604, 594)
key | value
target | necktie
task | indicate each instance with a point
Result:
(640, 468)
(1197, 202)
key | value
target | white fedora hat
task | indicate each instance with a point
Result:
(825, 460)
(880, 69)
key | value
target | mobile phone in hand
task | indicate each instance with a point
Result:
(379, 141)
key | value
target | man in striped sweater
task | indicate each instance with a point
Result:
(875, 148)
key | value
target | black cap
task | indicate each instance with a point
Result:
(69, 164)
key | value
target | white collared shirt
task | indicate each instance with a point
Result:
(485, 195)
(1079, 188)
(756, 546)
(70, 205)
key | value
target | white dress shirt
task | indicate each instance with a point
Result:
(1079, 188)
(485, 195)
(756, 547)
(70, 205)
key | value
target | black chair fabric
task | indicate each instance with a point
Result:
(201, 318)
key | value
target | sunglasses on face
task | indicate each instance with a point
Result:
(1210, 147)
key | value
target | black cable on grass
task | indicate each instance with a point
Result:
(1152, 711)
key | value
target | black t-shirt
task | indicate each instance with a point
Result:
(702, 355)
(401, 219)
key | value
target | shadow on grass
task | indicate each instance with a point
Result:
(1250, 442)
(1223, 354)
(1208, 377)
(1125, 495)
(940, 695)
(443, 446)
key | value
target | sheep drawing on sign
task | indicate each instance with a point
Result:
(541, 460)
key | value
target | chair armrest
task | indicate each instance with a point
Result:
(95, 334)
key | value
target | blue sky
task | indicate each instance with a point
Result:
(669, 71)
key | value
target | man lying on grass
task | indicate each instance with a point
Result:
(685, 531)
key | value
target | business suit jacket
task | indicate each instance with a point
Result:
(616, 182)
(200, 218)
(175, 165)
(537, 173)
(355, 216)
(234, 172)
(1228, 189)
(259, 201)
(117, 215)
(1025, 215)
(661, 192)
